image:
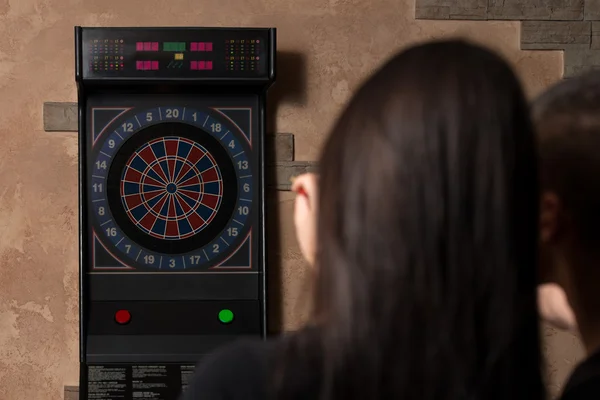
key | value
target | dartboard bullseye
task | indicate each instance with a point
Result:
(172, 188)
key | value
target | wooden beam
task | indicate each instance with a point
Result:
(71, 393)
(280, 147)
(282, 172)
(63, 117)
(60, 117)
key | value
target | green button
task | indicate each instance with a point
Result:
(225, 316)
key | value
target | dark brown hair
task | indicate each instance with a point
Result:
(427, 238)
(567, 118)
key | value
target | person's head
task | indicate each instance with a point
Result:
(425, 242)
(567, 120)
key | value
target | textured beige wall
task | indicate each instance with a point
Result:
(327, 48)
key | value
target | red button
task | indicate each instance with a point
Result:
(122, 317)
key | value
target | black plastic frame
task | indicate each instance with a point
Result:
(258, 86)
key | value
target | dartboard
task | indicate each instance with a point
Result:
(171, 188)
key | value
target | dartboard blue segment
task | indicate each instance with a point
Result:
(171, 188)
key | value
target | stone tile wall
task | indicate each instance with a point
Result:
(569, 25)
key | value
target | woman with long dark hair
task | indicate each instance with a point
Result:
(423, 238)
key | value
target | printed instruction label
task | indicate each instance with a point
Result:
(137, 382)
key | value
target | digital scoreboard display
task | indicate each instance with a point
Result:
(175, 53)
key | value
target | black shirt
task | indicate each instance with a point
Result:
(584, 383)
(250, 370)
(237, 371)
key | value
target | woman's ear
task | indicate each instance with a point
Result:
(553, 227)
(305, 214)
(554, 307)
(550, 209)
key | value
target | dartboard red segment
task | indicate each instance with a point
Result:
(210, 201)
(195, 155)
(148, 221)
(210, 175)
(133, 200)
(147, 155)
(132, 175)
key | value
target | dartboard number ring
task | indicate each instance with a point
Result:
(172, 188)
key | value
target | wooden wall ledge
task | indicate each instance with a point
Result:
(62, 117)
(71, 393)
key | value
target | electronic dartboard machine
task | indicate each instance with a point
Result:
(171, 126)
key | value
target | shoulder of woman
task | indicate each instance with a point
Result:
(243, 352)
(235, 369)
